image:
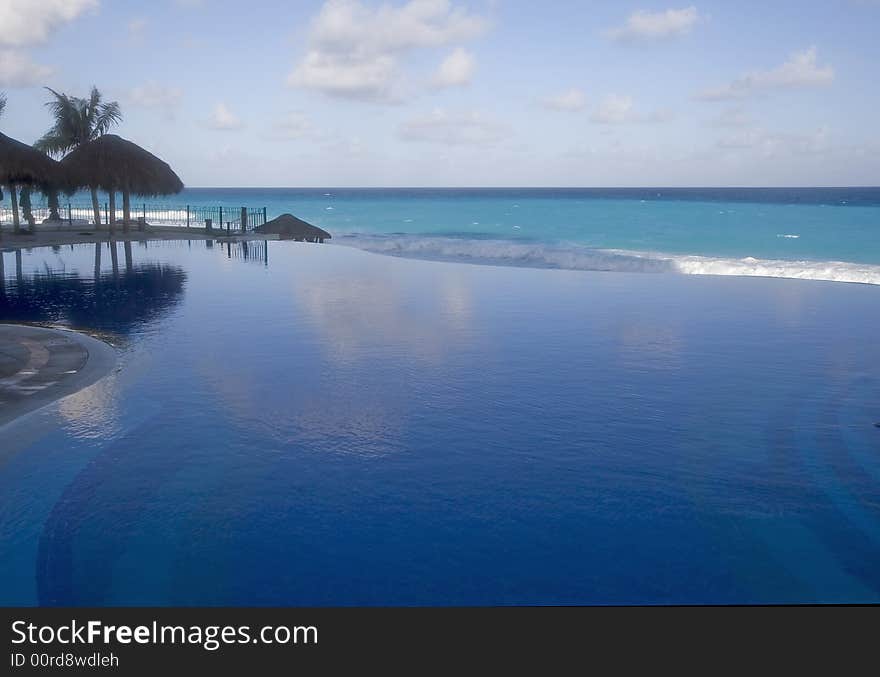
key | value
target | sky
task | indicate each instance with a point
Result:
(477, 93)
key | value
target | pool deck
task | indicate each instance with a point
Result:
(39, 365)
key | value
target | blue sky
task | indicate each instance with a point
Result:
(480, 93)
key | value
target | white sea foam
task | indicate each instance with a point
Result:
(579, 257)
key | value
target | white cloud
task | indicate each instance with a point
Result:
(571, 100)
(224, 119)
(774, 144)
(456, 69)
(732, 118)
(346, 25)
(17, 70)
(347, 76)
(28, 22)
(351, 147)
(644, 26)
(453, 129)
(294, 125)
(155, 95)
(354, 49)
(746, 138)
(136, 28)
(615, 109)
(801, 70)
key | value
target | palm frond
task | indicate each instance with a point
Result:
(109, 114)
(54, 144)
(77, 121)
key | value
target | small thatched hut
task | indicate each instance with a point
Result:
(22, 165)
(113, 164)
(288, 226)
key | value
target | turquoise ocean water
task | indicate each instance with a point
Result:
(811, 233)
(814, 233)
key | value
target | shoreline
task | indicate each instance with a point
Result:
(503, 253)
(41, 365)
(576, 257)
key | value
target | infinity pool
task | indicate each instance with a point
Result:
(296, 424)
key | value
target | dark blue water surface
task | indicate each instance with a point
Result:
(305, 424)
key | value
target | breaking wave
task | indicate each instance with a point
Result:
(579, 257)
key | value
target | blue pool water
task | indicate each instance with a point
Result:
(813, 233)
(306, 424)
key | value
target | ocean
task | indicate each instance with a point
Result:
(811, 233)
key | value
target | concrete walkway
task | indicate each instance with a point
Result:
(39, 366)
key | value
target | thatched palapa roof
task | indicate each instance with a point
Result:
(111, 163)
(22, 164)
(287, 225)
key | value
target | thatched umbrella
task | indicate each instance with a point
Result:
(287, 225)
(21, 164)
(113, 164)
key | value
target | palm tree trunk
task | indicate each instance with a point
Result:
(112, 196)
(27, 209)
(97, 261)
(52, 198)
(126, 208)
(16, 223)
(96, 208)
(114, 260)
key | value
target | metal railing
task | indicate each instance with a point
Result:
(82, 214)
(253, 251)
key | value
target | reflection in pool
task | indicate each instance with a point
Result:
(296, 424)
(115, 299)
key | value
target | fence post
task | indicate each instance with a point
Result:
(187, 216)
(69, 215)
(208, 225)
(106, 215)
(264, 215)
(145, 211)
(221, 218)
(228, 228)
(244, 219)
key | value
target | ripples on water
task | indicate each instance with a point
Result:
(304, 424)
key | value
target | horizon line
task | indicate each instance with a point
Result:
(524, 187)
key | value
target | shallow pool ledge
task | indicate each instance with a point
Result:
(39, 365)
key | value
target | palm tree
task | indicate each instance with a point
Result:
(25, 200)
(78, 121)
